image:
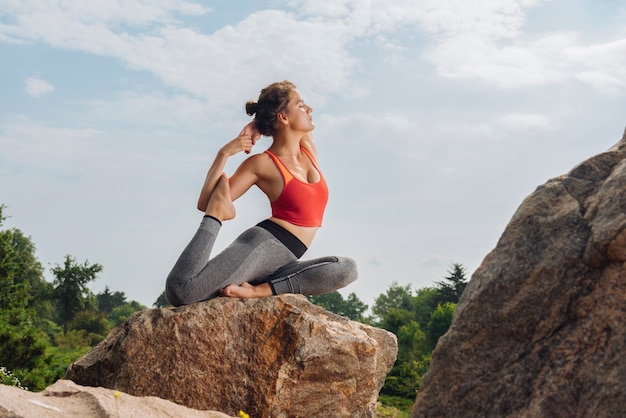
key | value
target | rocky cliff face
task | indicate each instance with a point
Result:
(272, 357)
(540, 330)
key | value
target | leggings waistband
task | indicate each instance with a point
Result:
(288, 239)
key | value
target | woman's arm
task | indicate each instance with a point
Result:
(247, 174)
(244, 143)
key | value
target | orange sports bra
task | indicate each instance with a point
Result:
(300, 203)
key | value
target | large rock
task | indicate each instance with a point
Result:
(273, 357)
(540, 330)
(66, 399)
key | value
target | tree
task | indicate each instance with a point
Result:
(108, 301)
(90, 321)
(70, 288)
(19, 268)
(452, 286)
(396, 297)
(405, 378)
(22, 345)
(417, 321)
(395, 319)
(412, 342)
(332, 301)
(161, 301)
(440, 321)
(425, 302)
(352, 307)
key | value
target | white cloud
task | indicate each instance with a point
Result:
(233, 61)
(526, 122)
(156, 111)
(488, 43)
(46, 147)
(37, 87)
(482, 39)
(129, 12)
(551, 59)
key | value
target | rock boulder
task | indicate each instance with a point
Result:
(540, 330)
(65, 399)
(272, 357)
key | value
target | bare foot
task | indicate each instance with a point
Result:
(220, 204)
(246, 291)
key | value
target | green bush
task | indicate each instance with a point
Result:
(21, 344)
(7, 378)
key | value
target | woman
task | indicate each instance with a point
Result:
(264, 260)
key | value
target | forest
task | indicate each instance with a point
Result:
(45, 326)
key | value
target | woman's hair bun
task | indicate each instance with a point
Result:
(251, 108)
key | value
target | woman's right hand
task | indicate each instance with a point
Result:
(250, 129)
(243, 143)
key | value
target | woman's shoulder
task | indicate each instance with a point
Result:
(262, 167)
(258, 158)
(257, 163)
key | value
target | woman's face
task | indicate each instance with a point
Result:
(299, 113)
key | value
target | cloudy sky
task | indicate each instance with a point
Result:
(434, 120)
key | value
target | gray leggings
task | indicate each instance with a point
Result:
(256, 256)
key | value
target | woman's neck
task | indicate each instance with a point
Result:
(287, 144)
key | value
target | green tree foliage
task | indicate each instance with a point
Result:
(22, 345)
(332, 302)
(396, 299)
(418, 319)
(404, 379)
(108, 301)
(397, 310)
(121, 313)
(161, 301)
(70, 288)
(20, 270)
(412, 340)
(352, 307)
(425, 302)
(440, 321)
(452, 286)
(95, 325)
(395, 319)
(116, 308)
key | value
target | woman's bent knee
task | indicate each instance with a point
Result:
(172, 297)
(350, 270)
(175, 292)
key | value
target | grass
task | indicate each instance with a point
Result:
(393, 407)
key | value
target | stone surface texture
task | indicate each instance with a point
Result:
(65, 399)
(272, 357)
(540, 330)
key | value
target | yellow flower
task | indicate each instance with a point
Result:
(117, 394)
(243, 414)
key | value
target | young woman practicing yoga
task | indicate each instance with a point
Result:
(263, 260)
